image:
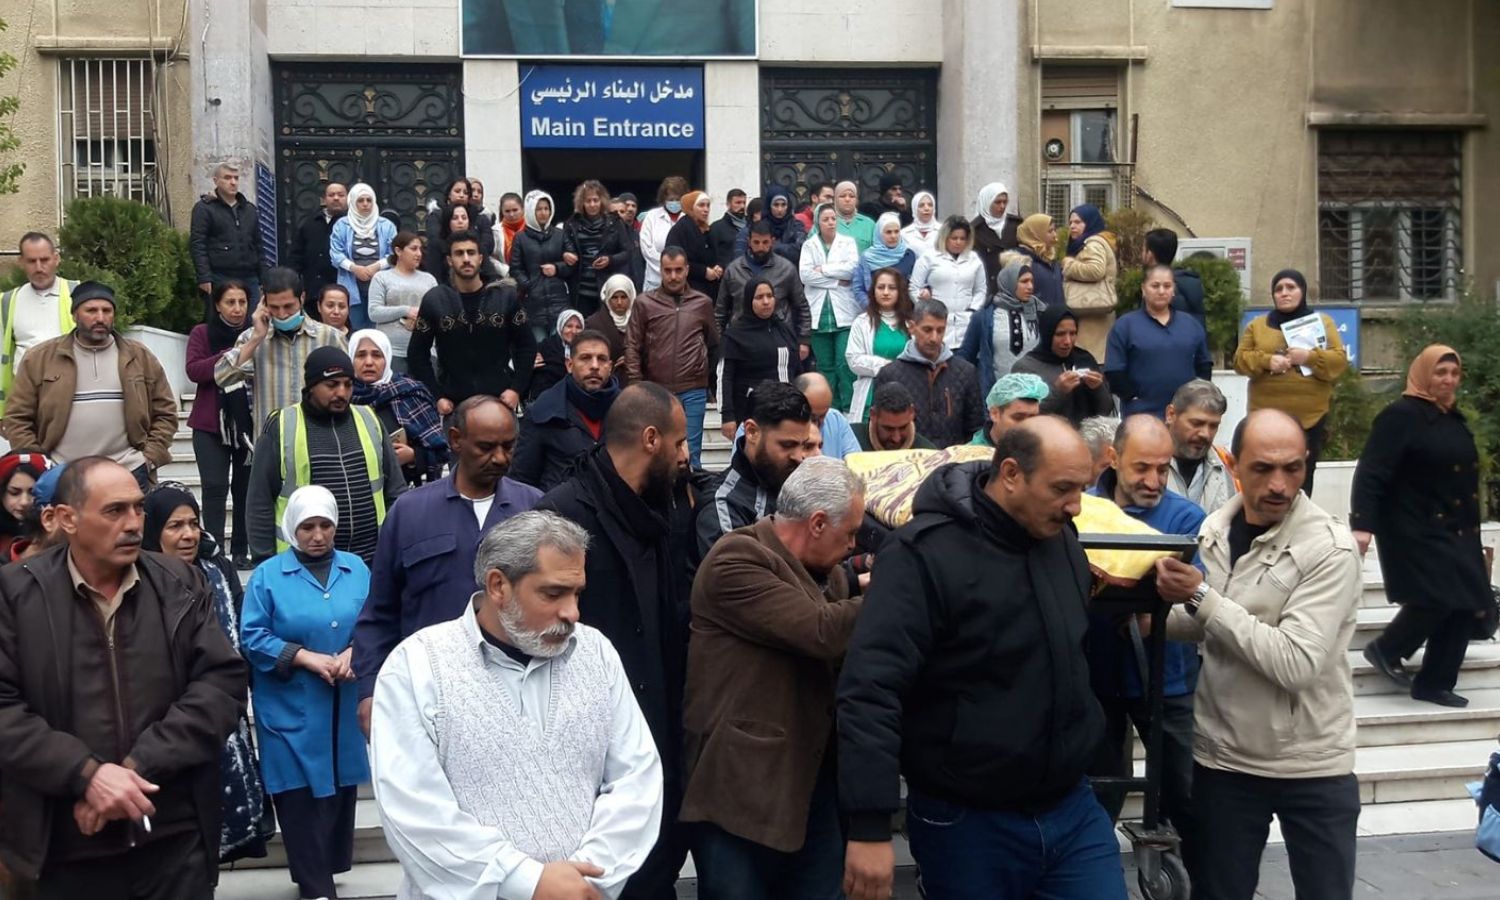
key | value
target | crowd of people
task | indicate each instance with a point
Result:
(492, 579)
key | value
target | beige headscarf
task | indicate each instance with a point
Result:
(1032, 234)
(1419, 376)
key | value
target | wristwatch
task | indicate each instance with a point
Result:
(1196, 598)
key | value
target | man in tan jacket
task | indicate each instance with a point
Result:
(771, 619)
(1274, 707)
(92, 392)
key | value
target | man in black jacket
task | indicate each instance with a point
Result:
(967, 675)
(309, 246)
(566, 420)
(893, 198)
(224, 237)
(1187, 296)
(638, 586)
(484, 343)
(117, 691)
(723, 234)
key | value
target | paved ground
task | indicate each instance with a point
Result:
(1413, 867)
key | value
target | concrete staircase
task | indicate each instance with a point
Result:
(1413, 758)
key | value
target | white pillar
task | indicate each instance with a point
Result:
(492, 123)
(731, 119)
(231, 92)
(978, 108)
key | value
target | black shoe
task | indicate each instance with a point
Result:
(1394, 671)
(1441, 698)
(242, 562)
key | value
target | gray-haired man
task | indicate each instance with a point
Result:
(508, 754)
(1201, 471)
(224, 236)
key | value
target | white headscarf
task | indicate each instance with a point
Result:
(987, 195)
(310, 502)
(530, 205)
(380, 340)
(562, 319)
(363, 225)
(613, 285)
(916, 218)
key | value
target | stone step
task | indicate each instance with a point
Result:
(1481, 670)
(1396, 720)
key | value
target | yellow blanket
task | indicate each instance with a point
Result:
(892, 478)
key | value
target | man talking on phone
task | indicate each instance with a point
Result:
(1274, 710)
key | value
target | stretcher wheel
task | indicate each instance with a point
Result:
(1170, 882)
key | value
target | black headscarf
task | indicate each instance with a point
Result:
(778, 226)
(160, 504)
(750, 336)
(1275, 318)
(1047, 325)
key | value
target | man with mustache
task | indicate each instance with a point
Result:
(94, 393)
(1274, 729)
(424, 562)
(1202, 471)
(566, 420)
(1137, 483)
(324, 441)
(622, 494)
(117, 692)
(509, 756)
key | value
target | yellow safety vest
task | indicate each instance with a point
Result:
(8, 324)
(294, 459)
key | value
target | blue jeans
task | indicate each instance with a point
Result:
(695, 407)
(732, 868)
(1068, 852)
(359, 317)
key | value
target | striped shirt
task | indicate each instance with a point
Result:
(275, 369)
(96, 420)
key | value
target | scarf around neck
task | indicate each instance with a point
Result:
(880, 256)
(592, 405)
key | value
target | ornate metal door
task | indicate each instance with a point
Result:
(397, 128)
(842, 124)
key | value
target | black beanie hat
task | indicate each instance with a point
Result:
(325, 363)
(890, 180)
(92, 290)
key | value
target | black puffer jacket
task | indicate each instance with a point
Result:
(966, 672)
(224, 240)
(544, 296)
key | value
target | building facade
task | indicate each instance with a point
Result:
(1351, 140)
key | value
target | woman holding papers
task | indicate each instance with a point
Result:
(1292, 357)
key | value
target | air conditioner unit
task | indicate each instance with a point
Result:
(1236, 250)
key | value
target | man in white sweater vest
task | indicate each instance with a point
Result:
(508, 754)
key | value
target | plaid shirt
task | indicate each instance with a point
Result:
(275, 369)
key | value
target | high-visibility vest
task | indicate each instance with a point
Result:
(294, 460)
(8, 326)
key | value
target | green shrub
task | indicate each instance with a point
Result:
(1352, 411)
(73, 270)
(1129, 227)
(130, 241)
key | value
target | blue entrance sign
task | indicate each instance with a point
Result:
(612, 107)
(1345, 319)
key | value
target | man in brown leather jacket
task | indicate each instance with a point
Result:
(671, 341)
(117, 691)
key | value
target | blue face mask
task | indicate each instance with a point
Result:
(291, 324)
(673, 206)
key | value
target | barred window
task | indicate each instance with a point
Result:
(1080, 145)
(106, 136)
(1389, 214)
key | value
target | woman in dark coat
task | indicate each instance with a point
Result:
(172, 527)
(552, 354)
(601, 248)
(1036, 237)
(1076, 389)
(538, 263)
(691, 234)
(1416, 491)
(617, 297)
(455, 220)
(757, 347)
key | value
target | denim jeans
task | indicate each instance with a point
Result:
(695, 406)
(223, 469)
(1068, 852)
(732, 868)
(359, 317)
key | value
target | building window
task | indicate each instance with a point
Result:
(1080, 139)
(106, 129)
(1389, 205)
